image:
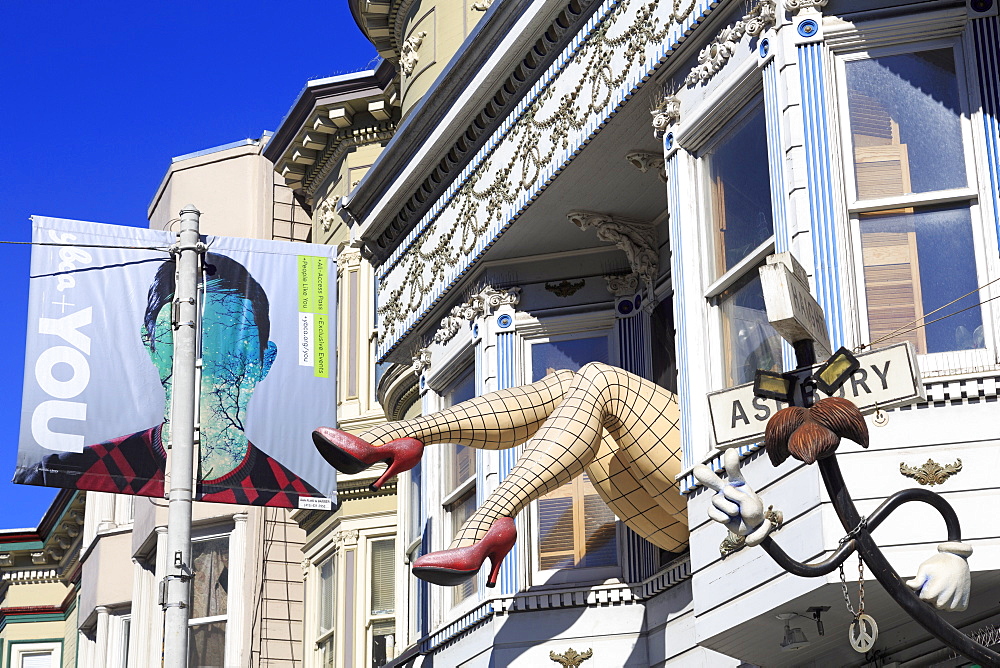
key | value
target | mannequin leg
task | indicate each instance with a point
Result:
(632, 465)
(493, 421)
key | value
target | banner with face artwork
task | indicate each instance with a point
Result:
(95, 410)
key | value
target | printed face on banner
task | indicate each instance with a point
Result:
(237, 354)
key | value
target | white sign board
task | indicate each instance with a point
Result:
(888, 377)
(791, 308)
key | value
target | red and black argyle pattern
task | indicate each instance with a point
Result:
(135, 464)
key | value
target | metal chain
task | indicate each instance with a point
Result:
(861, 589)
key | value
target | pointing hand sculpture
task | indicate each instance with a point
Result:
(735, 504)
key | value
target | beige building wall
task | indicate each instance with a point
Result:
(278, 591)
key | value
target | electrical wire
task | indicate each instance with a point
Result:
(906, 329)
(165, 249)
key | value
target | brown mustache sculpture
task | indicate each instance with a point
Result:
(808, 434)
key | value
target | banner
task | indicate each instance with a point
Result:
(97, 376)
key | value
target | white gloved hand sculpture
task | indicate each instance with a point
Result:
(735, 505)
(944, 580)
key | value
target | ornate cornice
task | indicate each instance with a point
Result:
(638, 241)
(717, 53)
(337, 145)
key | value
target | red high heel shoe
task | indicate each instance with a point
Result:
(453, 567)
(349, 454)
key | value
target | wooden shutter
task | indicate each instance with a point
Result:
(892, 286)
(577, 528)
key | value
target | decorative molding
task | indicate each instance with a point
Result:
(665, 114)
(6, 559)
(451, 221)
(326, 214)
(796, 6)
(565, 289)
(646, 161)
(622, 285)
(931, 473)
(421, 361)
(38, 558)
(337, 145)
(408, 57)
(637, 240)
(482, 6)
(717, 53)
(571, 658)
(480, 304)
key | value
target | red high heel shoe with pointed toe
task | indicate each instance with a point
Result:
(349, 454)
(455, 566)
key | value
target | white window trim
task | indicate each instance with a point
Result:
(19, 649)
(367, 538)
(314, 636)
(944, 364)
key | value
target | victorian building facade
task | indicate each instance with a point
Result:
(600, 181)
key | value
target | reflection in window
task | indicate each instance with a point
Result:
(461, 467)
(916, 261)
(664, 353)
(327, 611)
(383, 600)
(750, 341)
(460, 511)
(905, 124)
(209, 598)
(741, 191)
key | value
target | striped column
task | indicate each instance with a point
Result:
(776, 169)
(640, 557)
(826, 263)
(986, 43)
(684, 358)
(507, 375)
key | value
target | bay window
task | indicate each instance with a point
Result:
(743, 235)
(913, 204)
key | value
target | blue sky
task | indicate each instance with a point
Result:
(96, 99)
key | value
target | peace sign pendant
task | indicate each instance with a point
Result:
(863, 633)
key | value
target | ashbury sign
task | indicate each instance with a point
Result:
(887, 378)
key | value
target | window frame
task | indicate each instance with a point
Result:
(947, 363)
(742, 107)
(193, 622)
(594, 325)
(372, 618)
(20, 648)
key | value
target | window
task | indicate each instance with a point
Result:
(35, 654)
(913, 210)
(575, 528)
(383, 601)
(460, 474)
(327, 611)
(743, 235)
(209, 599)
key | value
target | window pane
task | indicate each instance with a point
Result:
(383, 577)
(915, 261)
(211, 577)
(327, 590)
(383, 642)
(352, 334)
(327, 658)
(571, 355)
(463, 462)
(37, 660)
(904, 114)
(576, 528)
(664, 349)
(741, 190)
(750, 341)
(208, 645)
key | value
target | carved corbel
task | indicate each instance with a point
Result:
(665, 114)
(647, 161)
(38, 558)
(326, 215)
(622, 285)
(638, 241)
(421, 361)
(795, 6)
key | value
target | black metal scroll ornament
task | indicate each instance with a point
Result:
(812, 435)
